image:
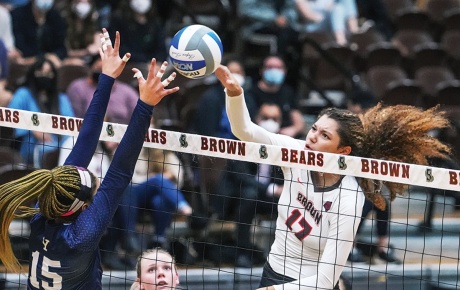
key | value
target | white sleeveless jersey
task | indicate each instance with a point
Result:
(315, 228)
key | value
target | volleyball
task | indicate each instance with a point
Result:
(196, 51)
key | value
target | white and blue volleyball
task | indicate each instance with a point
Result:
(196, 51)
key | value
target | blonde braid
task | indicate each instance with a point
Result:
(52, 189)
(57, 199)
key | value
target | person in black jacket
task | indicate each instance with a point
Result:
(39, 29)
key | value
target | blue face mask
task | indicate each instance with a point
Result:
(274, 76)
(44, 5)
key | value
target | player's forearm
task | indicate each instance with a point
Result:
(92, 124)
(130, 146)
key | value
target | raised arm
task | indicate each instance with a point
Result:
(100, 212)
(242, 126)
(112, 66)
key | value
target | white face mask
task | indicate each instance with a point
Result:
(239, 78)
(44, 5)
(270, 125)
(82, 9)
(140, 6)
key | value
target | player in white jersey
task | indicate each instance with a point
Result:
(319, 213)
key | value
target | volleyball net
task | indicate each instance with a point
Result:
(423, 228)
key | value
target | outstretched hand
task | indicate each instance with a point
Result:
(228, 81)
(112, 63)
(152, 89)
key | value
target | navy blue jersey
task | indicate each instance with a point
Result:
(66, 256)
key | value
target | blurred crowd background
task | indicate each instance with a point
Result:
(293, 57)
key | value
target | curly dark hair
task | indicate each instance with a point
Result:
(399, 133)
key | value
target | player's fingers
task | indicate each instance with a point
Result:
(152, 67)
(103, 44)
(126, 57)
(223, 74)
(138, 75)
(167, 81)
(170, 91)
(162, 70)
(116, 47)
(106, 42)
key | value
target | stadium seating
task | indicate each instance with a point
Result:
(403, 92)
(379, 77)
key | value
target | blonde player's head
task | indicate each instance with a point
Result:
(62, 193)
(156, 269)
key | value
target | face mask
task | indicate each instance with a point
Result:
(95, 76)
(44, 83)
(239, 78)
(44, 5)
(141, 6)
(270, 125)
(82, 9)
(274, 76)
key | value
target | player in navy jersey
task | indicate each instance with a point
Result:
(319, 213)
(73, 209)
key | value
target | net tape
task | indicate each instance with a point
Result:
(412, 174)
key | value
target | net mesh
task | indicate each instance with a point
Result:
(233, 187)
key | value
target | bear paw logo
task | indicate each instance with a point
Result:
(263, 152)
(429, 175)
(110, 130)
(35, 120)
(342, 163)
(183, 141)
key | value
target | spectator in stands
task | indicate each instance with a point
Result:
(257, 188)
(40, 94)
(156, 184)
(336, 17)
(384, 250)
(122, 101)
(238, 180)
(144, 35)
(377, 13)
(82, 30)
(271, 88)
(15, 3)
(156, 189)
(6, 33)
(38, 30)
(270, 17)
(156, 268)
(5, 94)
(211, 116)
